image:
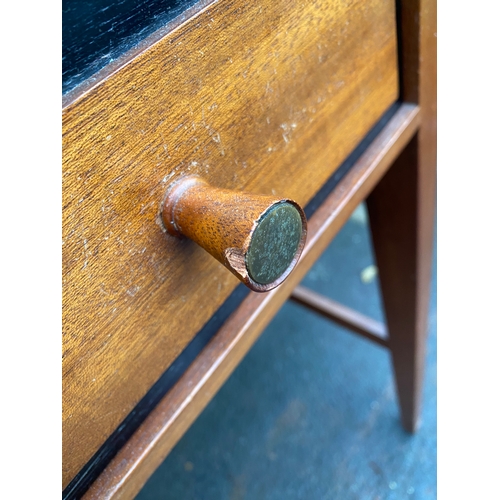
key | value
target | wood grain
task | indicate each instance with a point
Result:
(223, 222)
(96, 34)
(402, 214)
(267, 97)
(166, 424)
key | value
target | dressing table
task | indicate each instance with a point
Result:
(315, 107)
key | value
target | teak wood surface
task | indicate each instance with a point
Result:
(268, 97)
(166, 424)
(402, 212)
(222, 222)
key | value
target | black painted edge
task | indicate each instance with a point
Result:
(96, 465)
(400, 48)
(79, 90)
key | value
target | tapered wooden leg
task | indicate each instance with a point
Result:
(401, 210)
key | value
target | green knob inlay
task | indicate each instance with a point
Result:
(274, 243)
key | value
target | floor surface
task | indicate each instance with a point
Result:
(311, 413)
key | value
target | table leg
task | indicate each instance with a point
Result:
(401, 210)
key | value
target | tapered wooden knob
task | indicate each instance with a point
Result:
(258, 238)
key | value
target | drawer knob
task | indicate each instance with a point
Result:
(258, 238)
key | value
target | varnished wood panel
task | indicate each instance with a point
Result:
(269, 97)
(166, 424)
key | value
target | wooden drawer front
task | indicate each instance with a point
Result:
(268, 97)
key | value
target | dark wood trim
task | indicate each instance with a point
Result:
(165, 425)
(342, 315)
(89, 473)
(402, 213)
